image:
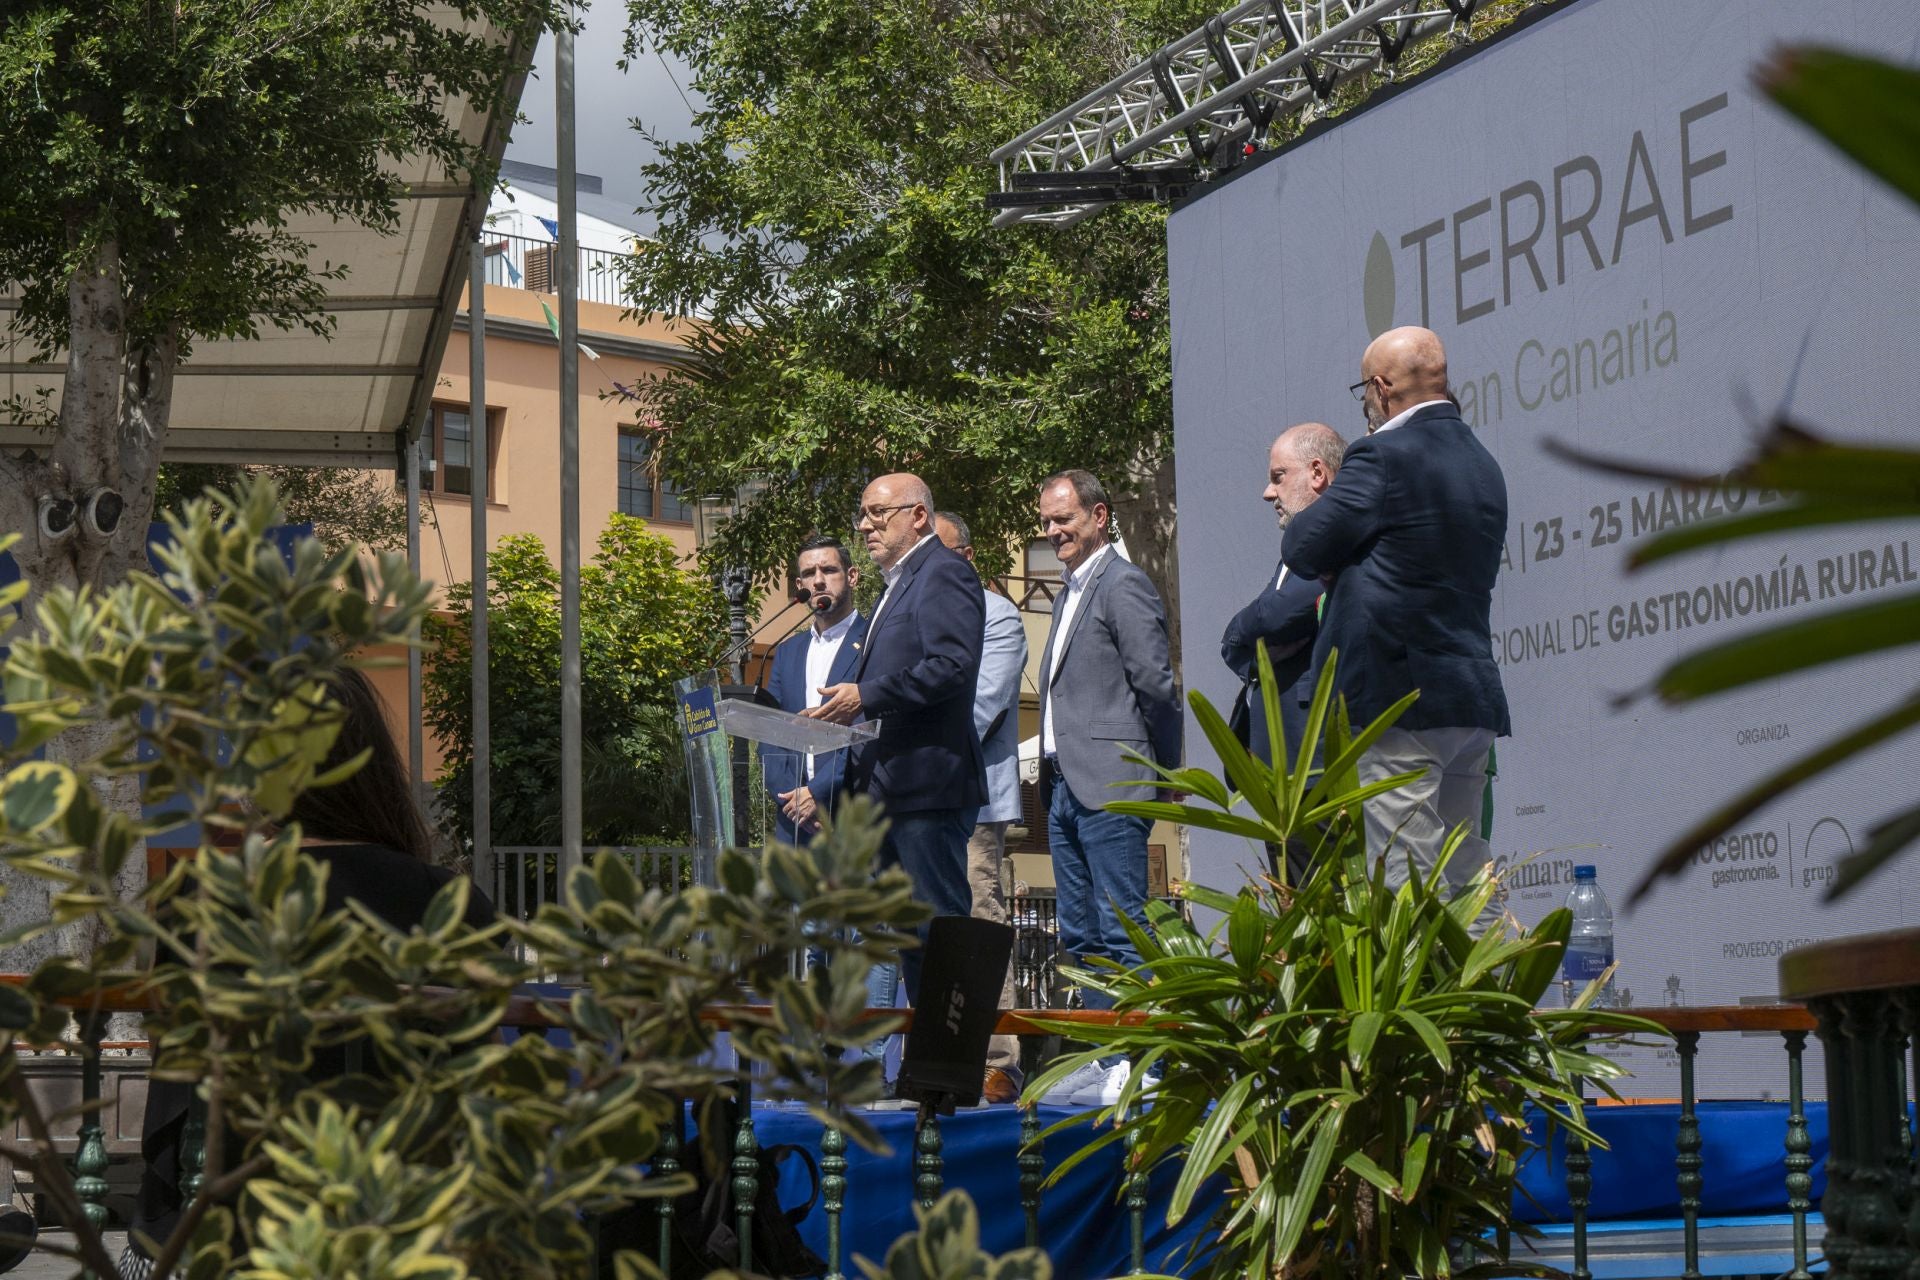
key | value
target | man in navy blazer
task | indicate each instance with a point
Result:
(916, 675)
(1409, 536)
(805, 787)
(1286, 614)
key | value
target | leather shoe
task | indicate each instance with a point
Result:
(999, 1087)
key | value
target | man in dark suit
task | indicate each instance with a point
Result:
(803, 787)
(1300, 465)
(1105, 686)
(916, 675)
(1409, 535)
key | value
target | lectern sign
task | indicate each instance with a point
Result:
(697, 715)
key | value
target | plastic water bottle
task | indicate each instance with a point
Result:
(1590, 944)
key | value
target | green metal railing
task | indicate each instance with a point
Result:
(1865, 994)
(1870, 1174)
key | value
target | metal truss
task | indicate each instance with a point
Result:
(1201, 104)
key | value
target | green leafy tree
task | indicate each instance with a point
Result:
(645, 621)
(462, 1156)
(155, 155)
(346, 507)
(857, 312)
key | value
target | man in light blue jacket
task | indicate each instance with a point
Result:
(996, 718)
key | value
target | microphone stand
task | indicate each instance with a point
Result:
(766, 663)
(746, 643)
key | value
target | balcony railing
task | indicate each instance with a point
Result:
(522, 262)
(527, 876)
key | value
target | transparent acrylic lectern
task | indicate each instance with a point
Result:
(717, 721)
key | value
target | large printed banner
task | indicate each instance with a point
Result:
(1627, 249)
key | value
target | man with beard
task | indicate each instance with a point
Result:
(804, 787)
(1409, 537)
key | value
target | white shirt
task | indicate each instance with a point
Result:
(822, 648)
(1280, 578)
(1400, 418)
(1064, 608)
(893, 576)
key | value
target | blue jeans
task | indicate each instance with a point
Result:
(1099, 871)
(931, 846)
(883, 991)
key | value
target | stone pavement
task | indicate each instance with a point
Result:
(51, 1266)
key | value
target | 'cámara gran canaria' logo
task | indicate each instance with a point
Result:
(1376, 288)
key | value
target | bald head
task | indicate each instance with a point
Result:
(896, 511)
(1402, 367)
(904, 486)
(1300, 466)
(1315, 442)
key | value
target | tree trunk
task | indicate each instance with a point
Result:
(82, 505)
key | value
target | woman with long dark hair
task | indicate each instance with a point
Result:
(368, 832)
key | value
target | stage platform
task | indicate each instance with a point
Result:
(1083, 1225)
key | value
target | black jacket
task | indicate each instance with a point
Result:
(1286, 618)
(1410, 534)
(917, 672)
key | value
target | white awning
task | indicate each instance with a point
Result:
(294, 398)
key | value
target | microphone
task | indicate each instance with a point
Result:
(801, 596)
(766, 663)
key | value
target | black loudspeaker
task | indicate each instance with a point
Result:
(945, 1060)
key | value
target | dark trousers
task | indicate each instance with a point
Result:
(1099, 873)
(931, 846)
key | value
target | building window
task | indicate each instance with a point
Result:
(446, 450)
(1043, 567)
(642, 492)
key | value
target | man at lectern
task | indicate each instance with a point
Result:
(805, 786)
(916, 675)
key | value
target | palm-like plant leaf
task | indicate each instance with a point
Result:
(1337, 1041)
(1869, 109)
(1828, 484)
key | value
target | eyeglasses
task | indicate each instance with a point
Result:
(1359, 389)
(878, 516)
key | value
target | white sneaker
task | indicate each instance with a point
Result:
(1089, 1076)
(1105, 1091)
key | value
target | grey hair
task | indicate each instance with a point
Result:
(959, 525)
(1314, 441)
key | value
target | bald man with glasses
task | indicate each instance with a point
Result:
(1409, 536)
(916, 677)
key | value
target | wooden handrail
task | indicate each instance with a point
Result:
(526, 1011)
(1729, 1017)
(1871, 962)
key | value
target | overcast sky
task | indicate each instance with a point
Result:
(608, 99)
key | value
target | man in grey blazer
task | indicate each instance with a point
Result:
(1105, 685)
(996, 718)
